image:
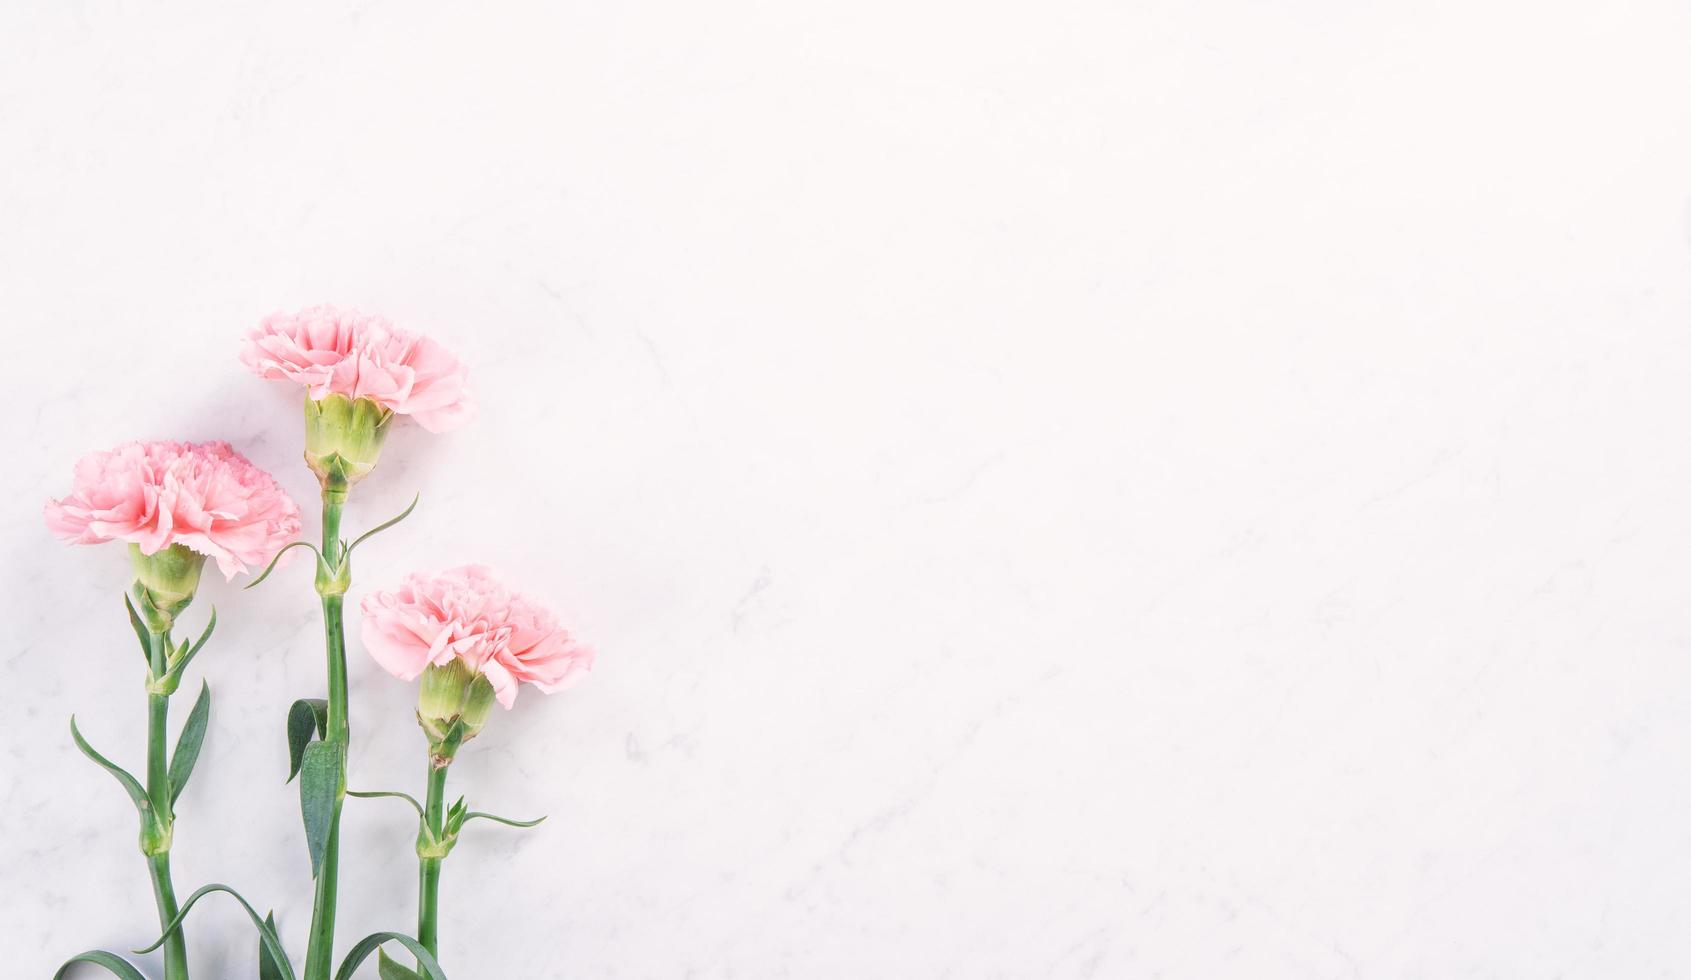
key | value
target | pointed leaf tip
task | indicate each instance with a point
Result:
(188, 743)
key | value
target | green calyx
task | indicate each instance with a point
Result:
(452, 706)
(165, 582)
(343, 438)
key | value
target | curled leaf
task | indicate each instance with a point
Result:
(272, 566)
(305, 717)
(266, 935)
(347, 548)
(119, 966)
(376, 794)
(131, 785)
(430, 970)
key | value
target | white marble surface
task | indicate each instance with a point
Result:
(1178, 490)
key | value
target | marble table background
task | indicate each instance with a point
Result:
(1087, 489)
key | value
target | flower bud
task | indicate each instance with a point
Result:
(165, 582)
(452, 707)
(343, 438)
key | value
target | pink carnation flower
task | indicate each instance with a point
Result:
(466, 613)
(345, 352)
(204, 496)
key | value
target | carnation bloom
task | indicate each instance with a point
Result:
(467, 614)
(204, 496)
(344, 352)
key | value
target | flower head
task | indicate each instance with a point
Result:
(467, 615)
(204, 497)
(344, 352)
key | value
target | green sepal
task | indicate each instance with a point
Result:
(188, 742)
(305, 717)
(266, 935)
(151, 616)
(119, 966)
(319, 788)
(267, 967)
(388, 969)
(430, 970)
(379, 528)
(443, 747)
(131, 785)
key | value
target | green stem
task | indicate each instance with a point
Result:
(164, 895)
(428, 875)
(157, 837)
(319, 954)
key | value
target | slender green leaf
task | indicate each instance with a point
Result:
(379, 528)
(272, 566)
(305, 717)
(319, 783)
(140, 630)
(116, 964)
(369, 944)
(266, 937)
(504, 820)
(267, 966)
(371, 795)
(189, 741)
(388, 969)
(131, 785)
(182, 661)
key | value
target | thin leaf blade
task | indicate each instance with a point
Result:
(183, 661)
(507, 821)
(188, 743)
(286, 548)
(319, 783)
(141, 634)
(379, 528)
(377, 794)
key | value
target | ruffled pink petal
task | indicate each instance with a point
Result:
(205, 496)
(470, 615)
(330, 351)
